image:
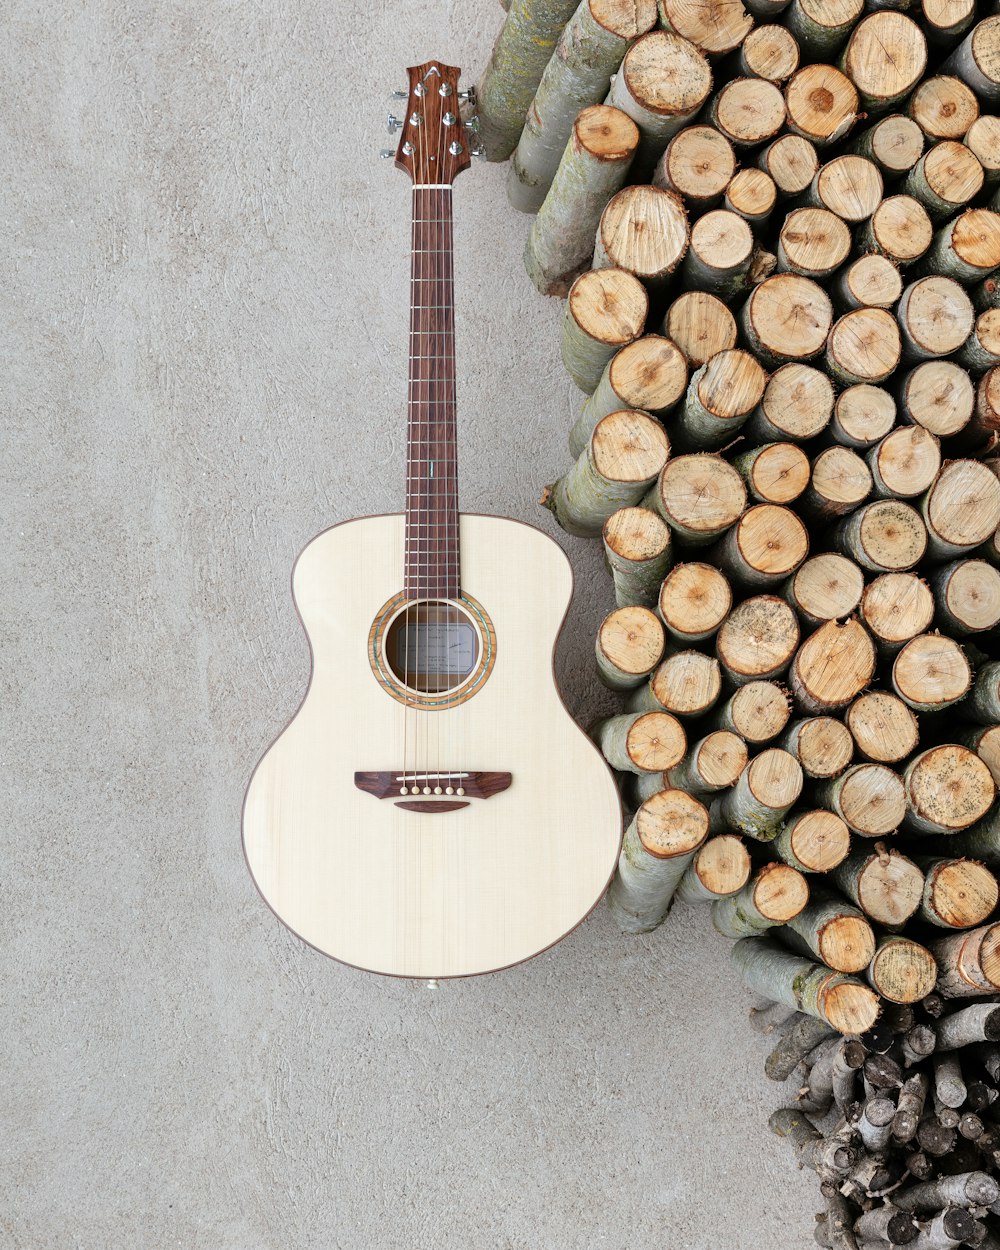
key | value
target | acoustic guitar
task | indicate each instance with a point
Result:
(432, 810)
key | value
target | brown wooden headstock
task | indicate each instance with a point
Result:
(434, 142)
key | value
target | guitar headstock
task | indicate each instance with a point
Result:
(435, 144)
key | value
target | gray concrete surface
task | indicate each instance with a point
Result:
(202, 316)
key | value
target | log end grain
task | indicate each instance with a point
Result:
(828, 587)
(701, 494)
(631, 640)
(962, 893)
(949, 787)
(609, 305)
(721, 758)
(884, 729)
(723, 865)
(671, 823)
(846, 943)
(819, 839)
(629, 446)
(694, 600)
(780, 892)
(780, 473)
(775, 778)
(931, 672)
(833, 665)
(822, 103)
(903, 971)
(872, 800)
(759, 638)
(701, 325)
(824, 747)
(636, 534)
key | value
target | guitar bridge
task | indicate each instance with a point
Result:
(431, 791)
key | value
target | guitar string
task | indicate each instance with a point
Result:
(442, 315)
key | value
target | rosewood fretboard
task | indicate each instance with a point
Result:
(431, 554)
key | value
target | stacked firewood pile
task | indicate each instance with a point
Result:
(777, 231)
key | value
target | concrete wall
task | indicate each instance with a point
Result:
(203, 327)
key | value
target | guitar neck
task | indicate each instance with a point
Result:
(431, 546)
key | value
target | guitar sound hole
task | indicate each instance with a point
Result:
(432, 645)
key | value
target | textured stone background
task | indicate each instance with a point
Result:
(203, 325)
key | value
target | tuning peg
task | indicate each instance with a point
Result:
(472, 124)
(469, 96)
(386, 154)
(393, 123)
(399, 95)
(479, 151)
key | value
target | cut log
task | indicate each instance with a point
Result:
(752, 195)
(813, 841)
(842, 1001)
(589, 51)
(943, 107)
(812, 242)
(885, 1224)
(644, 231)
(715, 28)
(958, 893)
(821, 744)
(948, 788)
(701, 325)
(605, 309)
(515, 68)
(774, 895)
(629, 646)
(796, 405)
(905, 463)
(985, 741)
(637, 550)
(798, 1041)
(869, 797)
(822, 26)
(659, 844)
(594, 165)
(748, 111)
(969, 963)
(871, 281)
(625, 454)
(766, 791)
(720, 868)
(649, 374)
(836, 933)
(720, 254)
(885, 58)
(945, 178)
(984, 702)
(939, 395)
(978, 1023)
(899, 229)
(694, 600)
(687, 684)
(642, 742)
(787, 317)
(931, 673)
(886, 885)
(884, 729)
(757, 712)
(985, 405)
(968, 1189)
(902, 970)
(967, 593)
(826, 588)
(962, 509)
(790, 161)
(981, 350)
(862, 415)
(885, 537)
(663, 82)
(698, 496)
(765, 546)
(894, 143)
(897, 607)
(831, 668)
(769, 52)
(698, 164)
(774, 472)
(874, 1125)
(850, 186)
(983, 141)
(830, 1158)
(713, 763)
(864, 346)
(822, 104)
(977, 59)
(840, 482)
(945, 20)
(758, 640)
(935, 316)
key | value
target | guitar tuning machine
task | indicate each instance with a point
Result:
(479, 151)
(399, 95)
(393, 123)
(472, 124)
(386, 154)
(468, 96)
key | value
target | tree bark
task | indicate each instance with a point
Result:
(886, 885)
(904, 463)
(821, 744)
(984, 700)
(774, 895)
(637, 550)
(977, 59)
(836, 933)
(642, 742)
(594, 165)
(577, 75)
(884, 729)
(967, 1189)
(659, 844)
(605, 309)
(515, 68)
(694, 600)
(969, 963)
(623, 458)
(758, 640)
(981, 351)
(822, 26)
(931, 673)
(979, 1023)
(842, 1001)
(831, 668)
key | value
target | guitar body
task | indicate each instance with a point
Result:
(448, 885)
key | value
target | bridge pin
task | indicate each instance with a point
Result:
(448, 790)
(460, 790)
(403, 790)
(427, 789)
(414, 789)
(438, 790)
